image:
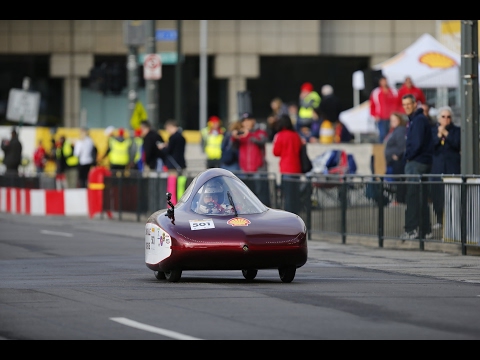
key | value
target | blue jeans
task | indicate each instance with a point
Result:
(383, 126)
(417, 207)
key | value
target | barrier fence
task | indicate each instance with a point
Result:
(344, 205)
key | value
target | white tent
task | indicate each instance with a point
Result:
(430, 65)
(358, 119)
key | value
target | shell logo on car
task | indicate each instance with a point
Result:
(437, 60)
(239, 222)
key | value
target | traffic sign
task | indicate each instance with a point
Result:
(152, 67)
(23, 106)
(168, 57)
(139, 114)
(166, 35)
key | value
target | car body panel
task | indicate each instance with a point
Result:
(269, 239)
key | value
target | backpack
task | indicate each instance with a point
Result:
(305, 161)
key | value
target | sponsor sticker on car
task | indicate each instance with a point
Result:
(202, 224)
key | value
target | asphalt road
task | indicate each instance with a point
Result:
(82, 279)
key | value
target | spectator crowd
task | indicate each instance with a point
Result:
(417, 146)
(414, 144)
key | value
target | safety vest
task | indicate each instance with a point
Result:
(309, 102)
(213, 144)
(119, 152)
(70, 159)
(138, 154)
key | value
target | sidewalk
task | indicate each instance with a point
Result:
(395, 257)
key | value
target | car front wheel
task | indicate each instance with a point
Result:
(287, 273)
(173, 275)
(250, 274)
(160, 275)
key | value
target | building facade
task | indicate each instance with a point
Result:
(267, 58)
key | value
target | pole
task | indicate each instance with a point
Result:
(470, 164)
(132, 69)
(178, 77)
(152, 85)
(203, 73)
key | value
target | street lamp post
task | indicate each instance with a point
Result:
(470, 164)
(152, 85)
(203, 73)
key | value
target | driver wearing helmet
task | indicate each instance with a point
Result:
(211, 201)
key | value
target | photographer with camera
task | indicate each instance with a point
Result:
(230, 153)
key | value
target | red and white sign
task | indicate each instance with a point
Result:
(152, 67)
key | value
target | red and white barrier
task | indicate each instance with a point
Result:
(69, 202)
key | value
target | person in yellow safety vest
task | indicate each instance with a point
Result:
(137, 148)
(309, 100)
(118, 152)
(71, 162)
(212, 137)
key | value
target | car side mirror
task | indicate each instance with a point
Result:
(170, 212)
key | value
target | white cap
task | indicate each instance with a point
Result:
(109, 130)
(327, 90)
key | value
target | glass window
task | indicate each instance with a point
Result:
(219, 195)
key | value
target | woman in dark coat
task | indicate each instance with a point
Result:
(394, 143)
(446, 157)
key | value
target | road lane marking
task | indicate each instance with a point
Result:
(164, 332)
(55, 233)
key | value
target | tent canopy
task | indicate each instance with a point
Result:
(429, 63)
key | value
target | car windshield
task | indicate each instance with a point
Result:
(218, 196)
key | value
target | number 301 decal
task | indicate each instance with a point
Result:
(201, 224)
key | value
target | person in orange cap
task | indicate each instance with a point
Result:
(309, 100)
(212, 137)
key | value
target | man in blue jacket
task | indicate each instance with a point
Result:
(418, 161)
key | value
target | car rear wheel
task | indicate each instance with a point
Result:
(173, 275)
(287, 273)
(250, 274)
(160, 275)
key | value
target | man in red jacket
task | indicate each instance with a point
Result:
(251, 141)
(383, 102)
(409, 88)
(251, 155)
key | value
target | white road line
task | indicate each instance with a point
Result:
(164, 332)
(55, 233)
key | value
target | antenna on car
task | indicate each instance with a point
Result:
(170, 212)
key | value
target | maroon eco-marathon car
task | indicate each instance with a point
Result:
(219, 224)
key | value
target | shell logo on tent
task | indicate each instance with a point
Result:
(437, 60)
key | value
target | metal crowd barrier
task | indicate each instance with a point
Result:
(342, 205)
(375, 206)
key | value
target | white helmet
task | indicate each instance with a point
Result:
(213, 187)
